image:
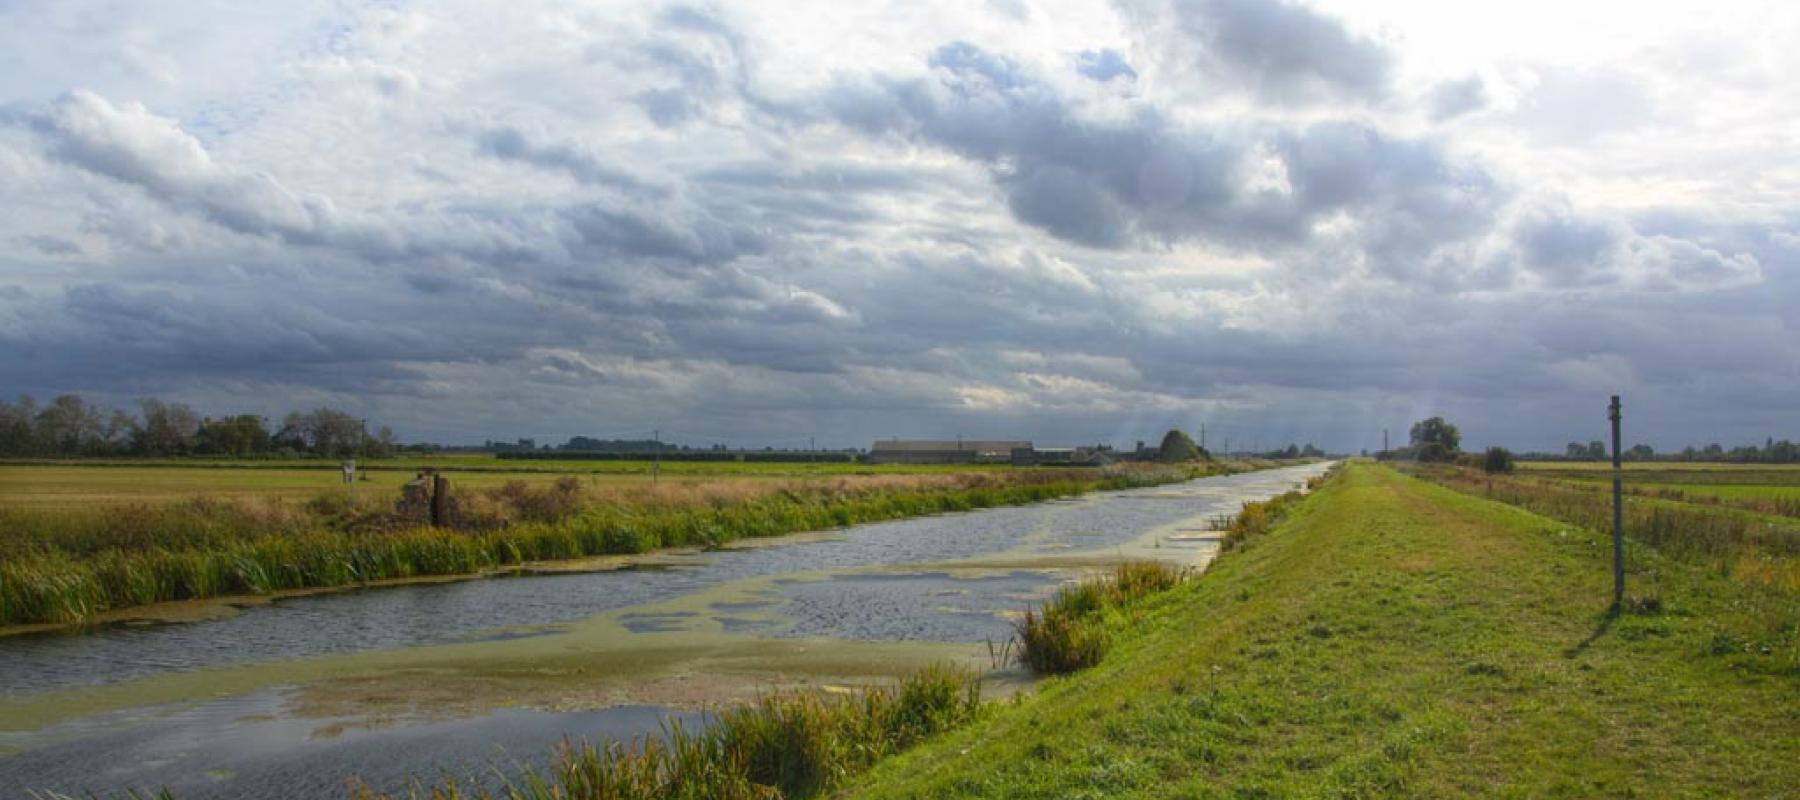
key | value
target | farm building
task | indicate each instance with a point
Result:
(1060, 457)
(930, 451)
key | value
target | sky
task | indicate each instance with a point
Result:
(781, 223)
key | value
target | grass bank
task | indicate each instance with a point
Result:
(1397, 638)
(66, 566)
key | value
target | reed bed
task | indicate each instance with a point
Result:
(68, 567)
(1073, 630)
(794, 745)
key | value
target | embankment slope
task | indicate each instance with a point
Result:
(1395, 638)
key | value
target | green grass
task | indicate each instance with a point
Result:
(1396, 638)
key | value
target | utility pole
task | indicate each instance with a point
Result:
(1384, 444)
(1202, 436)
(1613, 412)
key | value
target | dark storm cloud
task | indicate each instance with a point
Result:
(1278, 50)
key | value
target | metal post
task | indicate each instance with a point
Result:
(1613, 413)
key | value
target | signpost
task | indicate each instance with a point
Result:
(1613, 413)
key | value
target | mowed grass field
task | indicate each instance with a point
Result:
(86, 484)
(1396, 638)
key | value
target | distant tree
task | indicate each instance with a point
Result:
(1596, 450)
(167, 429)
(324, 431)
(68, 426)
(239, 435)
(1435, 431)
(1713, 450)
(1433, 453)
(16, 437)
(1640, 452)
(1497, 460)
(1577, 450)
(120, 431)
(1177, 447)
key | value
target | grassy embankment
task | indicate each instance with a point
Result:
(61, 565)
(1397, 638)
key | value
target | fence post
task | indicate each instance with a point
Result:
(1614, 412)
(440, 500)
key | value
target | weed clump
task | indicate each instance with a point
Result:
(1070, 632)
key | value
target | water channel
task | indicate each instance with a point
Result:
(480, 678)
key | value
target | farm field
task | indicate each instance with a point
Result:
(1763, 488)
(66, 484)
(60, 486)
(1396, 638)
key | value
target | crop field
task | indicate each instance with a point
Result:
(1762, 488)
(90, 483)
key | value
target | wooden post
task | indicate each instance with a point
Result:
(1614, 412)
(440, 500)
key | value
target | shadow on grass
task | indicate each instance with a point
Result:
(1606, 623)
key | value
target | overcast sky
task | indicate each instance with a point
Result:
(759, 223)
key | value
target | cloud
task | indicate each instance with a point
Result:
(1451, 99)
(129, 144)
(1104, 65)
(1110, 182)
(50, 245)
(511, 144)
(734, 227)
(1277, 50)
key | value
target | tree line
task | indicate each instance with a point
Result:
(70, 426)
(1772, 452)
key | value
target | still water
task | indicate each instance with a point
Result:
(949, 578)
